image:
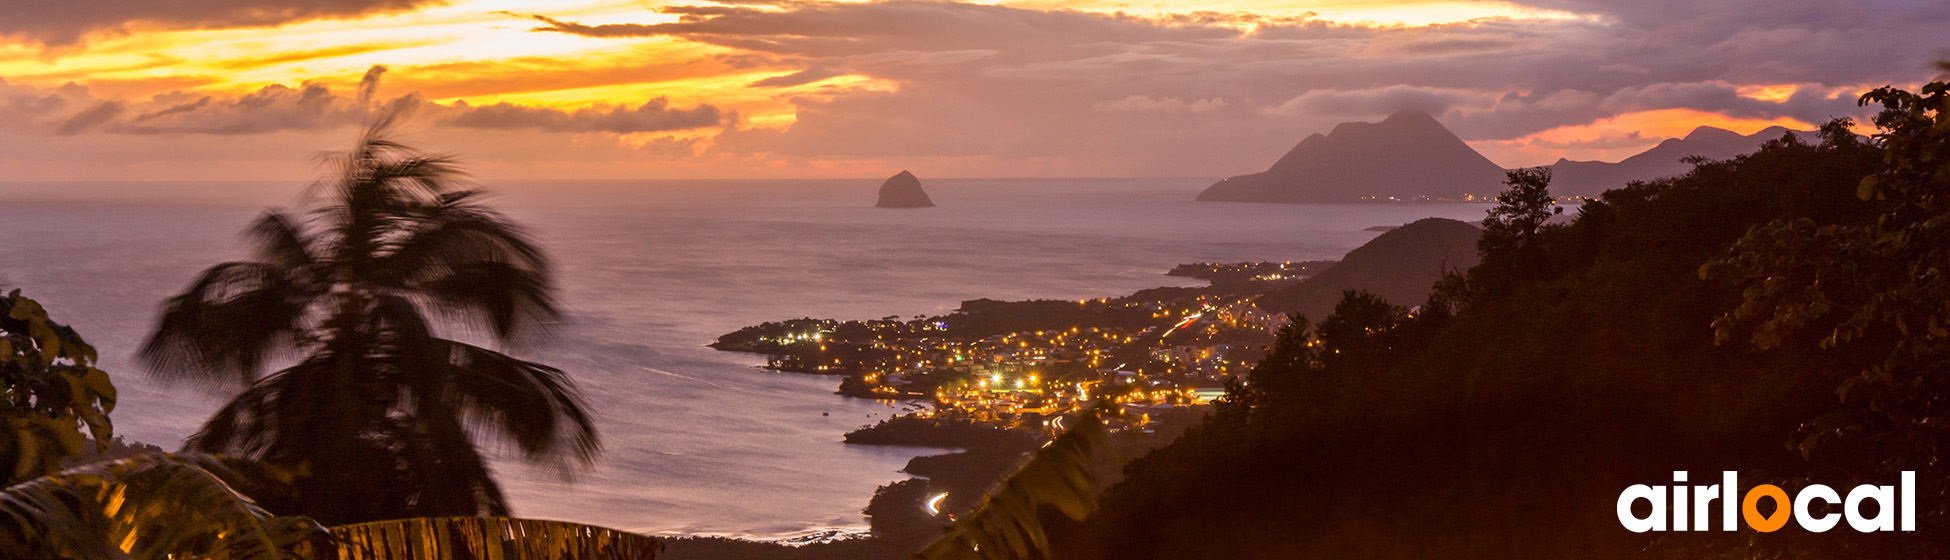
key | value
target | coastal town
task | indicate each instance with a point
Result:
(1030, 364)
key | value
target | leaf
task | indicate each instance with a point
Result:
(1866, 190)
(432, 538)
(1007, 523)
(147, 507)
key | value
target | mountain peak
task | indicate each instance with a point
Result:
(1710, 132)
(1410, 115)
(1407, 156)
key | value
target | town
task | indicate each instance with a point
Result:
(1029, 364)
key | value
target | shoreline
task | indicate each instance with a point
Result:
(1162, 335)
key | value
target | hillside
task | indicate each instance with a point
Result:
(1574, 362)
(1406, 156)
(1399, 265)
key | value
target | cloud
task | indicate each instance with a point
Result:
(817, 72)
(313, 106)
(654, 115)
(831, 29)
(1201, 93)
(985, 90)
(91, 117)
(1354, 104)
(369, 84)
(59, 23)
(1142, 104)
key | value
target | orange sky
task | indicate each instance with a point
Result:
(1217, 86)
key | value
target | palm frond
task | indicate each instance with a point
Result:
(231, 320)
(245, 425)
(1007, 523)
(472, 265)
(489, 537)
(448, 474)
(283, 242)
(512, 302)
(533, 405)
(148, 506)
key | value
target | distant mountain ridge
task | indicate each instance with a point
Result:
(1411, 156)
(1591, 178)
(1405, 156)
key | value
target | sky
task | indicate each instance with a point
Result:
(600, 89)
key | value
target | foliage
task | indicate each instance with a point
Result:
(146, 507)
(1510, 232)
(1502, 418)
(53, 392)
(379, 413)
(896, 513)
(1521, 211)
(1008, 522)
(464, 538)
(1873, 287)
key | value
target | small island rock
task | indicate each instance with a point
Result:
(903, 191)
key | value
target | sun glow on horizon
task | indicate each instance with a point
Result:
(1615, 138)
(1411, 13)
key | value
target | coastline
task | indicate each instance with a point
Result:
(1153, 346)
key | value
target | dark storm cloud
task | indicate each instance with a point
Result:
(62, 22)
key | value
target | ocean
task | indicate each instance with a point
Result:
(695, 441)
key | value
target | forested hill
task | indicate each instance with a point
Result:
(1504, 419)
(1400, 266)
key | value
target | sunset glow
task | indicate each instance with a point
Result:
(1126, 70)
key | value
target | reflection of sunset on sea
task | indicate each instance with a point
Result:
(603, 89)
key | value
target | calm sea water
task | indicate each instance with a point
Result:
(697, 441)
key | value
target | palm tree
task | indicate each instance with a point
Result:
(382, 416)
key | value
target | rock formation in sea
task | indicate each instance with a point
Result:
(903, 190)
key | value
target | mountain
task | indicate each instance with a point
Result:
(1400, 265)
(1589, 178)
(903, 190)
(1405, 156)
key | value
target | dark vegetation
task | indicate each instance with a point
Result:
(908, 429)
(56, 402)
(1773, 314)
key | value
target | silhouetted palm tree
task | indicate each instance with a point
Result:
(379, 413)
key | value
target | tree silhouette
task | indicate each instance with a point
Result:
(379, 413)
